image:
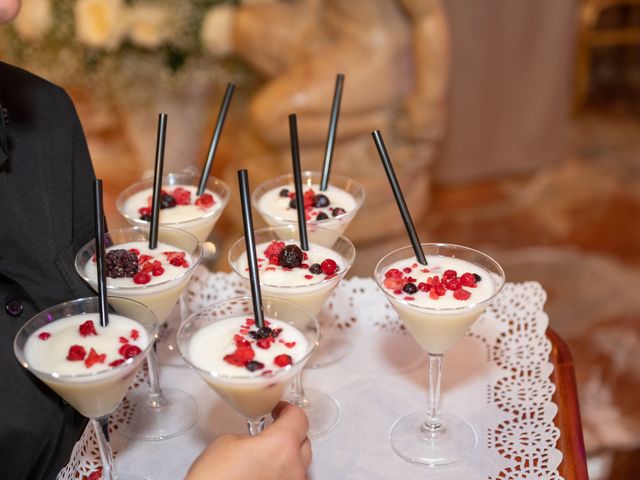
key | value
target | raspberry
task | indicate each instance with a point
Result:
(468, 280)
(177, 259)
(134, 334)
(146, 267)
(144, 259)
(123, 340)
(394, 273)
(453, 284)
(264, 343)
(240, 357)
(461, 294)
(117, 362)
(329, 266)
(129, 351)
(449, 273)
(274, 248)
(94, 358)
(393, 283)
(282, 360)
(253, 365)
(145, 213)
(157, 271)
(87, 328)
(141, 278)
(273, 260)
(406, 270)
(291, 256)
(135, 250)
(289, 344)
(44, 335)
(182, 196)
(309, 198)
(424, 287)
(121, 263)
(308, 277)
(205, 201)
(76, 352)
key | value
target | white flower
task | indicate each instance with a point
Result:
(217, 30)
(34, 20)
(99, 23)
(149, 26)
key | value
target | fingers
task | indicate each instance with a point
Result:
(305, 453)
(290, 418)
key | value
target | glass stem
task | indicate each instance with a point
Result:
(255, 426)
(155, 398)
(101, 427)
(433, 424)
(298, 397)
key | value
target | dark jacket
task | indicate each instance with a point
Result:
(46, 198)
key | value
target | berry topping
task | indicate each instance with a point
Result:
(292, 204)
(461, 294)
(205, 201)
(264, 343)
(468, 280)
(76, 353)
(283, 360)
(393, 273)
(145, 214)
(477, 277)
(322, 216)
(291, 256)
(87, 328)
(240, 357)
(338, 211)
(308, 277)
(264, 332)
(273, 260)
(321, 201)
(329, 266)
(167, 201)
(309, 198)
(254, 365)
(121, 263)
(134, 334)
(94, 358)
(141, 278)
(117, 362)
(406, 270)
(424, 287)
(315, 268)
(410, 288)
(274, 248)
(129, 351)
(394, 283)
(452, 284)
(182, 196)
(177, 259)
(284, 192)
(44, 335)
(449, 274)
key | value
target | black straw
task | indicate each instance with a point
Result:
(297, 181)
(157, 180)
(397, 192)
(222, 115)
(250, 247)
(331, 136)
(102, 271)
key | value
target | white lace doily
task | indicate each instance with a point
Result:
(497, 377)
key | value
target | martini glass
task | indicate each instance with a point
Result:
(322, 409)
(94, 394)
(160, 413)
(252, 395)
(430, 437)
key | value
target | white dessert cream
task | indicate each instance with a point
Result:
(438, 302)
(179, 204)
(157, 280)
(308, 281)
(89, 362)
(248, 367)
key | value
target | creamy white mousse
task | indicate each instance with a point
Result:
(192, 213)
(249, 373)
(91, 371)
(166, 276)
(437, 306)
(299, 284)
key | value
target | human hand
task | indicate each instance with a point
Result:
(281, 452)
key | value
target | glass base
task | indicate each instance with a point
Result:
(450, 446)
(334, 344)
(175, 415)
(323, 412)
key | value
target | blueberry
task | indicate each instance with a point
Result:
(167, 201)
(321, 201)
(410, 288)
(338, 211)
(315, 268)
(322, 216)
(292, 203)
(477, 277)
(252, 365)
(291, 256)
(284, 192)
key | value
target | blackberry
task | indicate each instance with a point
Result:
(291, 256)
(253, 365)
(410, 288)
(263, 332)
(145, 217)
(292, 204)
(322, 216)
(284, 192)
(315, 268)
(338, 211)
(167, 201)
(321, 201)
(121, 263)
(477, 277)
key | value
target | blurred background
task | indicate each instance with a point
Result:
(514, 126)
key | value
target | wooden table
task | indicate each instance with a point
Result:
(571, 443)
